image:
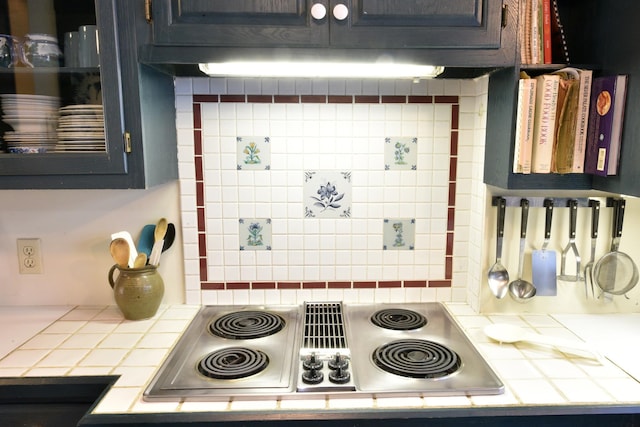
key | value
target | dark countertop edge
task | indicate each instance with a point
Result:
(54, 389)
(91, 389)
(349, 417)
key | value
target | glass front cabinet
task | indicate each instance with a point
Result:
(77, 110)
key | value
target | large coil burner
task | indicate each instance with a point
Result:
(416, 359)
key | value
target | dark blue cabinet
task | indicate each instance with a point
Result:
(137, 103)
(469, 33)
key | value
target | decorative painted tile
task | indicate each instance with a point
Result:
(253, 152)
(399, 234)
(327, 194)
(400, 153)
(255, 234)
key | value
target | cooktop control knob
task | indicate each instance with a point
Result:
(338, 362)
(312, 362)
(339, 376)
(312, 376)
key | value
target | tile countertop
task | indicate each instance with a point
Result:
(98, 341)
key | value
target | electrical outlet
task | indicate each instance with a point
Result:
(29, 256)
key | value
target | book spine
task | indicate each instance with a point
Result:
(617, 119)
(545, 122)
(524, 126)
(519, 133)
(582, 121)
(599, 136)
(546, 30)
(527, 143)
(535, 35)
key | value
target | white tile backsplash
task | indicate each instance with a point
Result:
(328, 136)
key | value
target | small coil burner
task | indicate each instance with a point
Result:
(241, 325)
(398, 319)
(416, 359)
(233, 363)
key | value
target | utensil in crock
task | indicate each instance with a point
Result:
(498, 275)
(158, 235)
(133, 252)
(119, 249)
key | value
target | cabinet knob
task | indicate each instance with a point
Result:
(340, 12)
(318, 11)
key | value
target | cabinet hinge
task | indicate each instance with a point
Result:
(127, 142)
(147, 11)
(505, 9)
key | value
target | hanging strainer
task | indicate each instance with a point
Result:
(616, 273)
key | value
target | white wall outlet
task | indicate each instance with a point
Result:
(29, 256)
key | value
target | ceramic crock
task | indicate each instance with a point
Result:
(138, 291)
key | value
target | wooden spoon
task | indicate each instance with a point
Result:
(141, 260)
(119, 249)
(158, 235)
(161, 229)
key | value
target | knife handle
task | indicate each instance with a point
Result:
(620, 217)
(573, 218)
(614, 216)
(595, 217)
(502, 206)
(548, 206)
(524, 219)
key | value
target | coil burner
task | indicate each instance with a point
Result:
(398, 319)
(416, 359)
(243, 325)
(233, 363)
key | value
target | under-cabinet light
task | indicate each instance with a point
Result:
(320, 70)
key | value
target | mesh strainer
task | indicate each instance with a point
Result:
(616, 273)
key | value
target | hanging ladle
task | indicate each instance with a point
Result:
(521, 290)
(498, 275)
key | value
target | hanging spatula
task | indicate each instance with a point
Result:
(543, 261)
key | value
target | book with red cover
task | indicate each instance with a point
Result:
(606, 114)
(546, 32)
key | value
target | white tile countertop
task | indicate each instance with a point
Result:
(98, 341)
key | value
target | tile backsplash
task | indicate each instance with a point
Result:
(352, 190)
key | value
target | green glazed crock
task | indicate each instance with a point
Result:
(138, 291)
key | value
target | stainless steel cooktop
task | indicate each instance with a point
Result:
(322, 347)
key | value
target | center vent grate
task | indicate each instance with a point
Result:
(324, 326)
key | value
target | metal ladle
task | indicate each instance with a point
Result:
(498, 275)
(521, 290)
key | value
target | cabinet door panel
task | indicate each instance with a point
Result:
(420, 24)
(237, 23)
(75, 85)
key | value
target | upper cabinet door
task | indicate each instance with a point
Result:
(457, 24)
(56, 117)
(275, 23)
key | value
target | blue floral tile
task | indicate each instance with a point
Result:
(255, 234)
(327, 194)
(399, 234)
(253, 152)
(400, 153)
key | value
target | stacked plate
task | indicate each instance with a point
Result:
(34, 119)
(81, 128)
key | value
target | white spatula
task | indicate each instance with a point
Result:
(509, 334)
